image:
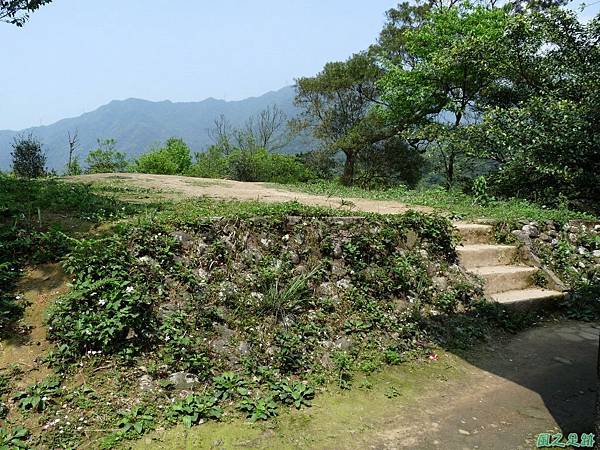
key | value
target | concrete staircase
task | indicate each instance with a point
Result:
(507, 279)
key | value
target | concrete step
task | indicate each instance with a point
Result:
(528, 299)
(474, 233)
(481, 255)
(505, 278)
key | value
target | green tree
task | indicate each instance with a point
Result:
(266, 130)
(105, 158)
(335, 106)
(547, 144)
(390, 162)
(211, 164)
(73, 167)
(435, 81)
(28, 159)
(17, 12)
(171, 159)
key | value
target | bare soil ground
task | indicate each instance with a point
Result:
(39, 286)
(228, 189)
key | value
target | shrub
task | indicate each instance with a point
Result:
(261, 165)
(250, 165)
(319, 162)
(388, 164)
(211, 164)
(157, 162)
(74, 167)
(106, 158)
(172, 159)
(194, 408)
(28, 160)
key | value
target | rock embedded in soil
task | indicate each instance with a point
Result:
(440, 283)
(343, 343)
(183, 381)
(294, 257)
(146, 383)
(531, 230)
(337, 251)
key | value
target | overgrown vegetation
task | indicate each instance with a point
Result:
(503, 91)
(574, 255)
(246, 165)
(197, 310)
(477, 205)
(174, 158)
(239, 316)
(36, 217)
(106, 158)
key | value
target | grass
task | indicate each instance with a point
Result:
(457, 203)
(365, 410)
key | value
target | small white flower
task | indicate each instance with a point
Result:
(129, 289)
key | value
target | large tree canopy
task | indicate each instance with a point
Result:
(517, 91)
(336, 106)
(548, 143)
(447, 64)
(17, 11)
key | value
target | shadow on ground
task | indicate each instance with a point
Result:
(556, 362)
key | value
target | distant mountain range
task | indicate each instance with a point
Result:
(139, 124)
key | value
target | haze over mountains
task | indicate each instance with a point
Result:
(139, 124)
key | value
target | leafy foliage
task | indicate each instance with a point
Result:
(249, 165)
(294, 393)
(212, 163)
(38, 396)
(14, 439)
(172, 159)
(28, 159)
(106, 158)
(34, 215)
(17, 12)
(137, 421)
(547, 144)
(258, 408)
(335, 106)
(448, 63)
(193, 408)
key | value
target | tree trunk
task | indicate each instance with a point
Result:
(450, 171)
(348, 175)
(452, 156)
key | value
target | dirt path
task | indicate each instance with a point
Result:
(540, 380)
(39, 286)
(228, 189)
(498, 397)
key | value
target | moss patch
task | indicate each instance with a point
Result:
(333, 422)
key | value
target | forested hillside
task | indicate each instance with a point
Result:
(138, 124)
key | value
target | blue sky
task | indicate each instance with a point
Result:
(75, 55)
